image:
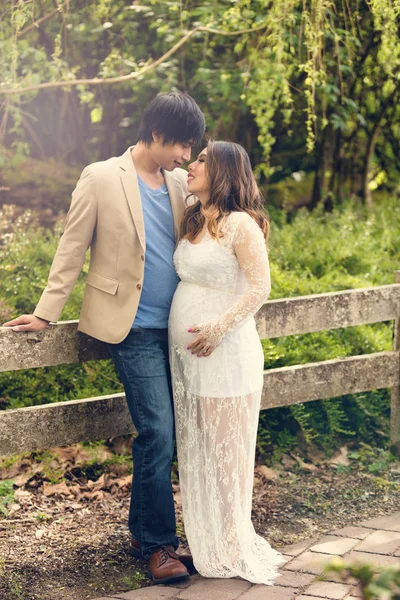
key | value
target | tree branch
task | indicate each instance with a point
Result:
(134, 74)
(36, 24)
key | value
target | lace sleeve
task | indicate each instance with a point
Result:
(250, 249)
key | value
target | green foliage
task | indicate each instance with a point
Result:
(25, 257)
(9, 584)
(6, 495)
(316, 253)
(26, 252)
(372, 460)
(135, 581)
(51, 469)
(316, 75)
(96, 465)
(375, 582)
(345, 249)
(310, 253)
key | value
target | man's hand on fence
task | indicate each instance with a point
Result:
(27, 323)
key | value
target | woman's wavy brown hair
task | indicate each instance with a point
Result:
(232, 188)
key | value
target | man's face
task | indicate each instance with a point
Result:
(170, 156)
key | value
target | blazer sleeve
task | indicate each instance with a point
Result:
(71, 252)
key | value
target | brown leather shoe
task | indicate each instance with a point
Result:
(165, 566)
(185, 557)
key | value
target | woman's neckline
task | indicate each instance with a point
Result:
(205, 234)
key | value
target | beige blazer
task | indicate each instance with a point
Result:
(106, 216)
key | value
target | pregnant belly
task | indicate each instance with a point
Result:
(195, 304)
(235, 367)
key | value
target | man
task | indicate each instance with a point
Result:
(128, 211)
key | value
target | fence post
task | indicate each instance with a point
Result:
(395, 409)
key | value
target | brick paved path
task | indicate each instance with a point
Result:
(376, 541)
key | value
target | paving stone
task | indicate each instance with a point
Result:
(352, 532)
(154, 592)
(294, 579)
(308, 562)
(188, 582)
(334, 545)
(381, 542)
(356, 592)
(264, 592)
(389, 522)
(298, 548)
(333, 576)
(328, 589)
(302, 597)
(223, 589)
(380, 560)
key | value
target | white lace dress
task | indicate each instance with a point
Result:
(217, 398)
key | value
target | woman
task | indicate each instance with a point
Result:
(217, 363)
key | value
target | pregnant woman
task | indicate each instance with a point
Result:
(217, 363)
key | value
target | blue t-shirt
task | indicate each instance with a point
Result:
(160, 278)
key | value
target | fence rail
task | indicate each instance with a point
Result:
(107, 416)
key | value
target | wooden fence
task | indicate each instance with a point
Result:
(103, 417)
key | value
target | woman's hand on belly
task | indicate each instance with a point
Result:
(207, 339)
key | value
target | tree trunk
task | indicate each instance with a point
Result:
(335, 168)
(319, 177)
(340, 173)
(367, 196)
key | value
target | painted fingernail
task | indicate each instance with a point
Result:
(189, 330)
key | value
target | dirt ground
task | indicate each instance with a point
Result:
(63, 533)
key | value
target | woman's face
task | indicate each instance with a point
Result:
(198, 181)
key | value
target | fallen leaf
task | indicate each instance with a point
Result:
(72, 455)
(287, 461)
(124, 481)
(13, 508)
(118, 470)
(314, 454)
(340, 458)
(96, 485)
(22, 495)
(22, 479)
(57, 489)
(96, 495)
(304, 465)
(267, 473)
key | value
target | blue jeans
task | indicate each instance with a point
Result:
(142, 363)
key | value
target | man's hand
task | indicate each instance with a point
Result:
(27, 323)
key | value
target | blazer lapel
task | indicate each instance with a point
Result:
(131, 189)
(177, 200)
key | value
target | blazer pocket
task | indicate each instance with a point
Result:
(103, 283)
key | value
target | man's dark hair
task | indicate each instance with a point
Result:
(174, 116)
